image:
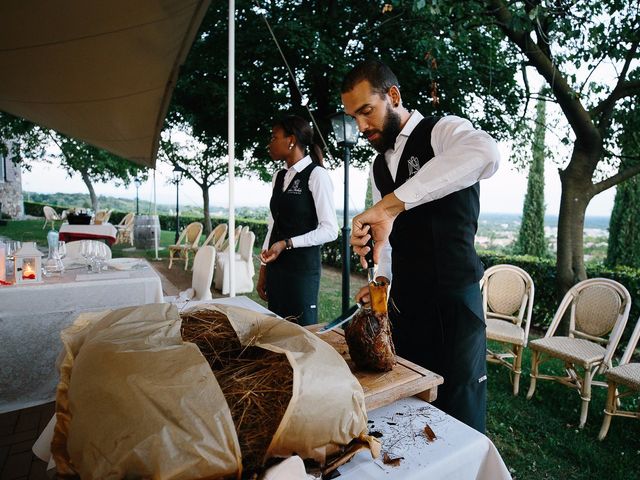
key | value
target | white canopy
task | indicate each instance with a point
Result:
(102, 72)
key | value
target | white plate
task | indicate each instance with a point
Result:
(123, 263)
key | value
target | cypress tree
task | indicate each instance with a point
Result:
(531, 239)
(624, 224)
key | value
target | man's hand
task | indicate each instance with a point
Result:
(274, 252)
(376, 221)
(261, 287)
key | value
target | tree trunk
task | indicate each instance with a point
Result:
(205, 208)
(577, 191)
(92, 192)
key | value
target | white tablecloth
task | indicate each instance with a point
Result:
(458, 452)
(104, 231)
(32, 317)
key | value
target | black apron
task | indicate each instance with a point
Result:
(293, 280)
(435, 305)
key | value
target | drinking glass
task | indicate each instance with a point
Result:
(87, 252)
(62, 249)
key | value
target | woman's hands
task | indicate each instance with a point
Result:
(274, 252)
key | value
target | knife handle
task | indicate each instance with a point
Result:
(369, 256)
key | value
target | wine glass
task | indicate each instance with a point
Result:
(62, 249)
(87, 252)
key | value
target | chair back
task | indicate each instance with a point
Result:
(631, 346)
(599, 309)
(190, 236)
(245, 249)
(507, 294)
(127, 220)
(102, 216)
(203, 265)
(50, 213)
(217, 235)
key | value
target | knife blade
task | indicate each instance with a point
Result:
(371, 268)
(348, 315)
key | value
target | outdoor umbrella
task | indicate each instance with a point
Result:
(100, 72)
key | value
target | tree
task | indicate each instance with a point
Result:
(624, 225)
(200, 160)
(21, 139)
(321, 40)
(531, 239)
(94, 164)
(586, 52)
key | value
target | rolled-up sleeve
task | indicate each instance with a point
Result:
(463, 155)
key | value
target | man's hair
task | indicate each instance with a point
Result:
(375, 72)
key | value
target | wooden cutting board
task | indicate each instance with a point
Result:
(405, 380)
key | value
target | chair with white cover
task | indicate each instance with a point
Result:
(244, 270)
(50, 215)
(598, 310)
(507, 300)
(187, 243)
(125, 229)
(203, 265)
(623, 381)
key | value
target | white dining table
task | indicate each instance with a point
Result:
(32, 317)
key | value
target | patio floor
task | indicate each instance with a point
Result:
(18, 432)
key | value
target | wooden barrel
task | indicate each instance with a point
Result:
(145, 230)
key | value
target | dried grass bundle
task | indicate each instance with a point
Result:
(256, 383)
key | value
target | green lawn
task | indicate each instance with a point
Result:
(537, 438)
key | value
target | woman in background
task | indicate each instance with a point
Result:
(302, 218)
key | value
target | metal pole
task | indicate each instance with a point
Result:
(137, 204)
(346, 233)
(231, 126)
(177, 212)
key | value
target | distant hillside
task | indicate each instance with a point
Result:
(598, 222)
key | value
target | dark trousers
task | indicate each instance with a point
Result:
(444, 331)
(293, 293)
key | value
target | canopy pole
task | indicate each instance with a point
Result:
(155, 213)
(231, 145)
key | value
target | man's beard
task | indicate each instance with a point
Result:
(390, 131)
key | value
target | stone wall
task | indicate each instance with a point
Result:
(11, 187)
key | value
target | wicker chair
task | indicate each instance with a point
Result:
(216, 238)
(626, 375)
(50, 215)
(125, 229)
(102, 216)
(187, 241)
(225, 244)
(598, 311)
(507, 300)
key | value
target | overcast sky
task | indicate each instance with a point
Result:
(502, 193)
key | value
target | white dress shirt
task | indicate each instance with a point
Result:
(322, 191)
(462, 156)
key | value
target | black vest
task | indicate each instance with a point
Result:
(294, 213)
(433, 244)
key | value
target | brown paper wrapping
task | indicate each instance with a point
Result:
(134, 399)
(140, 401)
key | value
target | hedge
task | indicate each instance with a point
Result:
(542, 271)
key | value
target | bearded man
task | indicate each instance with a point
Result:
(426, 193)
